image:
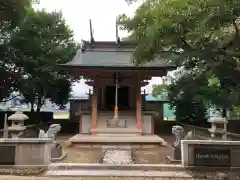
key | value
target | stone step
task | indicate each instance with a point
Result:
(110, 140)
(116, 130)
(118, 173)
(117, 134)
(140, 167)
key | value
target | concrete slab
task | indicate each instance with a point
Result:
(118, 173)
(115, 139)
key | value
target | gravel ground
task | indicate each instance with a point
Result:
(87, 178)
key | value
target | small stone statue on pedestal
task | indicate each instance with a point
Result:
(178, 131)
(56, 151)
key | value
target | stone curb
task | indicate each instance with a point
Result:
(141, 167)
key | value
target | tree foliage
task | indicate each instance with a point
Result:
(201, 36)
(12, 12)
(159, 89)
(44, 41)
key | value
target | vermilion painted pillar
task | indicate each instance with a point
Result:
(94, 112)
(138, 105)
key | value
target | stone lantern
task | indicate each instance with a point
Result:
(218, 126)
(17, 127)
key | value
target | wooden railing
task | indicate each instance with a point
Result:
(203, 133)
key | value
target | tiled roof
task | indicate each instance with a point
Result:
(109, 54)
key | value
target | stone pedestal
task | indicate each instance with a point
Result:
(56, 149)
(178, 131)
(176, 153)
(56, 153)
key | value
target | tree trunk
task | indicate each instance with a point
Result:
(224, 112)
(32, 106)
(39, 105)
(40, 102)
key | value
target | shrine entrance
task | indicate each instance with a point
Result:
(123, 98)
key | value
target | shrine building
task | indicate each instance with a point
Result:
(116, 108)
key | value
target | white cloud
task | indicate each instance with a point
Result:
(78, 12)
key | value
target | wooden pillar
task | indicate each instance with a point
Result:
(94, 111)
(102, 97)
(153, 125)
(138, 104)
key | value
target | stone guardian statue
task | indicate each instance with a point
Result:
(56, 149)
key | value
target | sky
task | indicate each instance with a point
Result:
(103, 14)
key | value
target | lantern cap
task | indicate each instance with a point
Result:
(18, 116)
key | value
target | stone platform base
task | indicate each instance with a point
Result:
(146, 141)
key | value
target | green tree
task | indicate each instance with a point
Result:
(201, 36)
(12, 13)
(160, 90)
(185, 96)
(44, 41)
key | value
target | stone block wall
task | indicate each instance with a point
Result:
(25, 152)
(85, 122)
(225, 152)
